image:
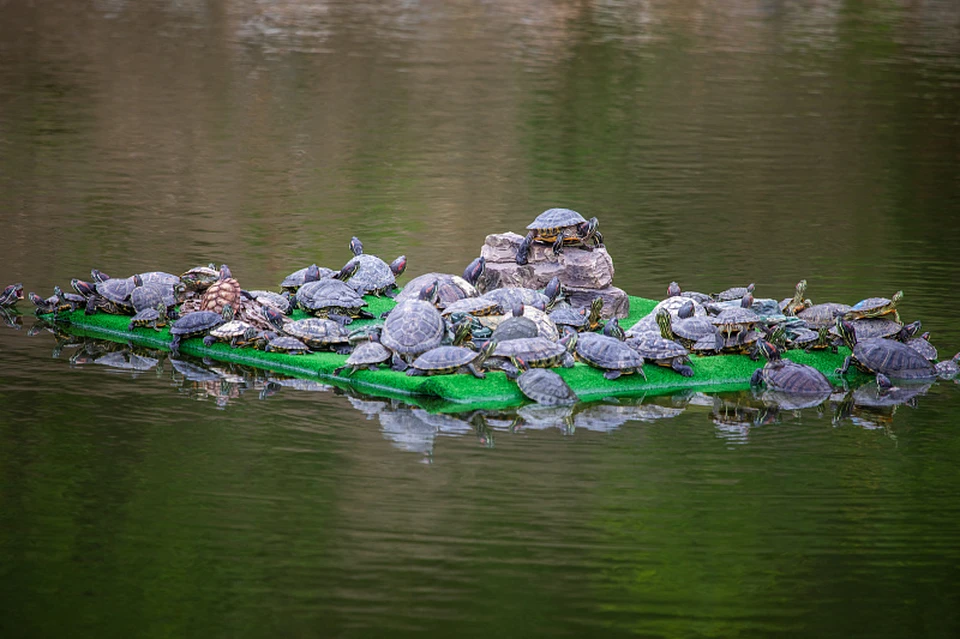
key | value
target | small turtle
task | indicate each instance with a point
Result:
(877, 355)
(44, 306)
(374, 276)
(367, 355)
(68, 301)
(610, 355)
(875, 307)
(535, 352)
(155, 318)
(909, 331)
(736, 321)
(226, 290)
(199, 278)
(874, 327)
(509, 297)
(734, 293)
(545, 387)
(696, 333)
(450, 288)
(319, 334)
(790, 306)
(613, 329)
(275, 301)
(444, 360)
(476, 306)
(663, 352)
(809, 340)
(288, 345)
(949, 369)
(923, 346)
(196, 324)
(98, 276)
(300, 277)
(413, 328)
(790, 377)
(822, 314)
(235, 333)
(560, 227)
(515, 327)
(11, 295)
(575, 318)
(332, 299)
(673, 306)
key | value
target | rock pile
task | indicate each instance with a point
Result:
(584, 274)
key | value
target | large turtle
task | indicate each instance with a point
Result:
(663, 352)
(732, 294)
(445, 360)
(515, 327)
(412, 328)
(114, 296)
(560, 227)
(11, 295)
(875, 307)
(546, 387)
(373, 275)
(873, 327)
(366, 355)
(196, 324)
(450, 288)
(791, 377)
(894, 359)
(510, 296)
(226, 290)
(332, 299)
(534, 352)
(610, 355)
(313, 273)
(822, 314)
(319, 334)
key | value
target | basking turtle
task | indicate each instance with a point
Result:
(44, 306)
(155, 318)
(672, 305)
(809, 340)
(319, 334)
(286, 344)
(508, 297)
(332, 299)
(374, 276)
(476, 306)
(275, 301)
(875, 307)
(790, 377)
(159, 278)
(366, 355)
(149, 296)
(923, 346)
(515, 327)
(894, 359)
(613, 329)
(114, 296)
(579, 319)
(949, 369)
(910, 331)
(874, 327)
(301, 276)
(663, 352)
(610, 355)
(11, 295)
(535, 352)
(696, 333)
(736, 321)
(450, 288)
(235, 333)
(412, 328)
(560, 227)
(98, 276)
(674, 290)
(444, 360)
(546, 387)
(792, 305)
(199, 278)
(226, 290)
(732, 294)
(822, 314)
(196, 324)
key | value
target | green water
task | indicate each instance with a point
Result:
(718, 143)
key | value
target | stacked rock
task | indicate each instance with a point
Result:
(585, 272)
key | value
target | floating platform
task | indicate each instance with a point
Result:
(456, 392)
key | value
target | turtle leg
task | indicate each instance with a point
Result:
(757, 378)
(415, 372)
(558, 244)
(391, 292)
(568, 361)
(340, 369)
(846, 365)
(523, 251)
(612, 374)
(397, 363)
(343, 350)
(639, 369)
(681, 368)
(362, 314)
(473, 371)
(209, 340)
(342, 320)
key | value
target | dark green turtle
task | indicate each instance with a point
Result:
(515, 327)
(286, 344)
(319, 334)
(535, 352)
(373, 275)
(446, 360)
(822, 314)
(875, 307)
(366, 355)
(663, 352)
(412, 328)
(545, 387)
(610, 355)
(450, 288)
(873, 327)
(734, 293)
(560, 227)
(790, 377)
(155, 318)
(894, 359)
(11, 295)
(196, 324)
(332, 299)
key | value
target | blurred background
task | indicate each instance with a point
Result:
(719, 143)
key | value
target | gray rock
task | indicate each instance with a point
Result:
(616, 303)
(575, 267)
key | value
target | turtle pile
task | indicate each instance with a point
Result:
(472, 323)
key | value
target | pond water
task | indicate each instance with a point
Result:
(718, 143)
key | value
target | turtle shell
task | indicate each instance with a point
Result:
(298, 278)
(822, 314)
(653, 347)
(476, 306)
(373, 275)
(537, 352)
(607, 353)
(734, 293)
(273, 300)
(286, 344)
(222, 292)
(546, 387)
(790, 377)
(693, 329)
(870, 306)
(231, 330)
(925, 348)
(515, 328)
(569, 316)
(872, 327)
(196, 323)
(160, 278)
(317, 333)
(150, 295)
(545, 326)
(555, 219)
(329, 293)
(894, 359)
(117, 291)
(413, 328)
(510, 297)
(368, 353)
(146, 317)
(450, 288)
(445, 359)
(199, 278)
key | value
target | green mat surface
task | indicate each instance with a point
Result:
(462, 392)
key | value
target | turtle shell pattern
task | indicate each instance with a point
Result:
(476, 306)
(286, 344)
(445, 359)
(893, 359)
(607, 353)
(328, 294)
(317, 333)
(546, 387)
(555, 219)
(822, 314)
(413, 328)
(196, 323)
(537, 352)
(790, 377)
(373, 275)
(450, 288)
(927, 350)
(510, 297)
(150, 295)
(222, 292)
(368, 354)
(872, 328)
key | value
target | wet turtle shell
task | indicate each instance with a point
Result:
(546, 387)
(822, 314)
(318, 333)
(555, 219)
(536, 352)
(367, 355)
(413, 328)
(194, 324)
(734, 293)
(609, 354)
(875, 307)
(444, 360)
(663, 352)
(273, 300)
(515, 327)
(373, 276)
(793, 378)
(288, 345)
(149, 296)
(148, 317)
(159, 278)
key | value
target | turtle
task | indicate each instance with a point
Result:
(545, 326)
(546, 387)
(822, 314)
(11, 295)
(948, 369)
(870, 328)
(199, 278)
(923, 346)
(277, 301)
(300, 277)
(155, 317)
(366, 355)
(235, 333)
(739, 321)
(444, 360)
(412, 328)
(159, 278)
(535, 352)
(614, 330)
(791, 377)
(332, 299)
(450, 288)
(148, 296)
(560, 227)
(875, 307)
(696, 333)
(663, 352)
(476, 306)
(374, 276)
(732, 294)
(674, 290)
(508, 297)
(894, 359)
(196, 324)
(672, 305)
(910, 331)
(319, 334)
(515, 327)
(113, 296)
(810, 340)
(226, 290)
(575, 318)
(98, 275)
(790, 306)
(610, 355)
(68, 301)
(742, 343)
(286, 344)
(44, 306)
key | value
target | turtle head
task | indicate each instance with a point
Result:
(98, 275)
(910, 330)
(596, 307)
(553, 290)
(518, 310)
(17, 291)
(884, 385)
(273, 316)
(896, 297)
(569, 340)
(665, 323)
(312, 274)
(751, 287)
(38, 301)
(137, 280)
(349, 270)
(589, 228)
(462, 332)
(613, 329)
(747, 300)
(227, 312)
(475, 270)
(847, 332)
(58, 292)
(768, 349)
(82, 288)
(687, 310)
(429, 292)
(487, 351)
(225, 273)
(398, 266)
(356, 246)
(673, 290)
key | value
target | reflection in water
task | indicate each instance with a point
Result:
(414, 429)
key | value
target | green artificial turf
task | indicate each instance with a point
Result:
(718, 373)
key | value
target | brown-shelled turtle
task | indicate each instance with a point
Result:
(226, 290)
(11, 295)
(610, 355)
(560, 227)
(368, 355)
(447, 360)
(922, 345)
(450, 288)
(824, 314)
(155, 318)
(792, 305)
(413, 328)
(791, 377)
(875, 307)
(197, 324)
(287, 345)
(534, 352)
(546, 387)
(320, 334)
(733, 293)
(373, 275)
(894, 359)
(662, 352)
(332, 299)
(236, 333)
(948, 369)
